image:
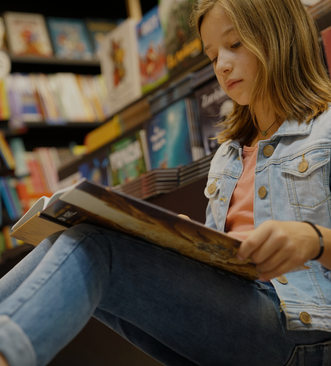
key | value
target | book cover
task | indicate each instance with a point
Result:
(183, 48)
(119, 64)
(98, 28)
(168, 137)
(96, 204)
(152, 51)
(127, 159)
(97, 169)
(213, 105)
(27, 34)
(70, 38)
(30, 110)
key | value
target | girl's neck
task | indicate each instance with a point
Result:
(268, 124)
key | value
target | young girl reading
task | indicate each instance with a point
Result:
(269, 184)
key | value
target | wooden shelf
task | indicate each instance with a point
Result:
(52, 60)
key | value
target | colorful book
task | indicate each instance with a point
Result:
(70, 38)
(152, 51)
(4, 102)
(38, 183)
(6, 152)
(97, 169)
(92, 203)
(183, 47)
(168, 135)
(30, 110)
(119, 63)
(128, 158)
(98, 29)
(27, 34)
(103, 134)
(2, 243)
(8, 199)
(17, 147)
(213, 105)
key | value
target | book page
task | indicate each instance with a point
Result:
(40, 205)
(37, 207)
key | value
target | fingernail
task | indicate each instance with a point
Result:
(240, 258)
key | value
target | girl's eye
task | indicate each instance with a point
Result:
(214, 61)
(236, 45)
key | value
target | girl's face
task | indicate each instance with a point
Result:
(235, 66)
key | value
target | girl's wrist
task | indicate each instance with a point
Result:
(317, 253)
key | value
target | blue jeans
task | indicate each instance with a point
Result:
(178, 311)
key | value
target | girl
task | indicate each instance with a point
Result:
(271, 172)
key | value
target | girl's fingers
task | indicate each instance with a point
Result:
(284, 267)
(254, 241)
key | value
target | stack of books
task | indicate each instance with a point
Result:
(202, 76)
(150, 184)
(197, 169)
(173, 92)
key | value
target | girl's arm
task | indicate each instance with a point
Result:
(277, 247)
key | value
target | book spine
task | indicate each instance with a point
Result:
(18, 149)
(2, 243)
(23, 195)
(11, 183)
(5, 110)
(37, 180)
(44, 169)
(6, 152)
(6, 197)
(100, 136)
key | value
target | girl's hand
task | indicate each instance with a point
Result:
(277, 247)
(184, 216)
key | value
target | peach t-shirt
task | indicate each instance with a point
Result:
(241, 214)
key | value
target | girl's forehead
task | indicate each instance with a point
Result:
(216, 23)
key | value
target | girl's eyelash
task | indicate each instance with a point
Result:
(236, 45)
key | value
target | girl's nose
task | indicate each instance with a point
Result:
(223, 65)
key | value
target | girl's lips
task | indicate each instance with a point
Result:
(233, 85)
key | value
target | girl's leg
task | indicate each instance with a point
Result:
(156, 298)
(12, 280)
(142, 340)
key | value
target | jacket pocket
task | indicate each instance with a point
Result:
(307, 178)
(311, 355)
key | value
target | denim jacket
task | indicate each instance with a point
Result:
(292, 183)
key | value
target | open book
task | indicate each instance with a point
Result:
(92, 203)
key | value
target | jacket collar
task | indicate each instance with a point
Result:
(288, 128)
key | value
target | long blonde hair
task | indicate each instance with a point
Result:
(292, 77)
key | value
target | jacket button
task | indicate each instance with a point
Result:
(268, 150)
(303, 166)
(305, 317)
(211, 188)
(262, 192)
(282, 280)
